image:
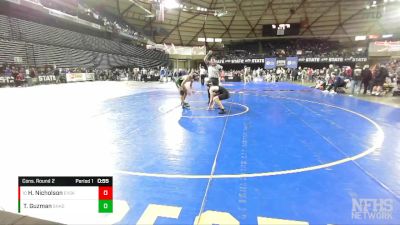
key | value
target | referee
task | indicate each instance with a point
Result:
(214, 71)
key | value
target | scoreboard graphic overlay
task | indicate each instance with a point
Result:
(38, 195)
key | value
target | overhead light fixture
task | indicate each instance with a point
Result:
(387, 35)
(201, 39)
(149, 14)
(220, 13)
(373, 36)
(218, 40)
(210, 40)
(223, 13)
(171, 4)
(361, 38)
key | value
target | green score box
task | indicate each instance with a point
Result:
(105, 206)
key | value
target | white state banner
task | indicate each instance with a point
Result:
(78, 77)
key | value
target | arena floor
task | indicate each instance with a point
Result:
(284, 154)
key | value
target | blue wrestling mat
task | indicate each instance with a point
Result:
(284, 154)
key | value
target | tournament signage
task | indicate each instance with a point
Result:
(257, 60)
(292, 62)
(47, 79)
(89, 76)
(6, 80)
(280, 62)
(240, 61)
(270, 63)
(75, 77)
(310, 60)
(78, 77)
(331, 59)
(352, 59)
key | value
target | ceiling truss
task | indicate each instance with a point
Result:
(319, 18)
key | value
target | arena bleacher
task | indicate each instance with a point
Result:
(40, 45)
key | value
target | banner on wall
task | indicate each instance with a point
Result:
(270, 63)
(292, 62)
(46, 79)
(281, 62)
(332, 59)
(240, 61)
(6, 80)
(79, 77)
(89, 76)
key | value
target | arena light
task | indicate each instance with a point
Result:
(218, 40)
(373, 36)
(387, 36)
(210, 40)
(171, 4)
(220, 13)
(361, 38)
(149, 14)
(201, 39)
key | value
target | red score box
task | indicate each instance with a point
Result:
(105, 193)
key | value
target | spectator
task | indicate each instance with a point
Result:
(19, 79)
(348, 72)
(366, 77)
(379, 80)
(294, 74)
(57, 75)
(8, 72)
(356, 80)
(32, 73)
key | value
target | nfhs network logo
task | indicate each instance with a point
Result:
(372, 209)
